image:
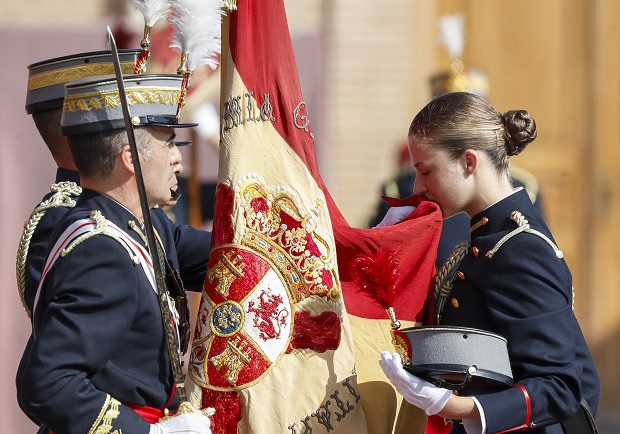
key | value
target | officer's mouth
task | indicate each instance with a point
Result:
(174, 195)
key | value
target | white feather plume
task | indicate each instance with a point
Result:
(451, 34)
(197, 25)
(152, 10)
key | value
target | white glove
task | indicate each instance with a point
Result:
(188, 423)
(422, 394)
(394, 215)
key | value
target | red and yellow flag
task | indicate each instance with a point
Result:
(273, 350)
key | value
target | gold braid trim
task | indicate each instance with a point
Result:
(445, 277)
(134, 227)
(523, 226)
(231, 5)
(104, 422)
(63, 196)
(63, 75)
(86, 102)
(101, 228)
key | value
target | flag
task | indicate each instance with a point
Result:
(273, 349)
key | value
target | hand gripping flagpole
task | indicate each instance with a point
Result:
(173, 349)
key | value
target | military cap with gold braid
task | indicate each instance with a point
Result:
(47, 79)
(93, 104)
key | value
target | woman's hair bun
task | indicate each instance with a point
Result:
(520, 130)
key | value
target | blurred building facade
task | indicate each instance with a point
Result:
(364, 71)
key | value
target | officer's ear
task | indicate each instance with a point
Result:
(126, 159)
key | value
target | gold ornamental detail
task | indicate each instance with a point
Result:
(227, 269)
(64, 195)
(105, 421)
(235, 357)
(278, 227)
(65, 75)
(111, 98)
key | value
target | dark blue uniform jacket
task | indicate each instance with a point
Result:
(99, 341)
(523, 291)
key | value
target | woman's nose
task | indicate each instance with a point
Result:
(418, 186)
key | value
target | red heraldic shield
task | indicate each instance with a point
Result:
(273, 350)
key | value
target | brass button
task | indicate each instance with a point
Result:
(455, 303)
(461, 275)
(476, 251)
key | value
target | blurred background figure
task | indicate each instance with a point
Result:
(399, 186)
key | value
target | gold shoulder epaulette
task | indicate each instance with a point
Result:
(64, 194)
(523, 226)
(101, 228)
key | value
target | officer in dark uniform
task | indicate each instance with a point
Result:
(44, 98)
(99, 358)
(510, 278)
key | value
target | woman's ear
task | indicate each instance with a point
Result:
(126, 158)
(470, 161)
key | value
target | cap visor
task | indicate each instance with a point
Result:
(170, 125)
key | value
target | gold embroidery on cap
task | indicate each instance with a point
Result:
(65, 75)
(455, 303)
(103, 100)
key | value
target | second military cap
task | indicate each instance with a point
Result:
(46, 79)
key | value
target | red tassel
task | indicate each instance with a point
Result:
(227, 410)
(319, 333)
(375, 275)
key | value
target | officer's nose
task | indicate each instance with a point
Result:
(176, 159)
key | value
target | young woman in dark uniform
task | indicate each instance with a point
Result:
(512, 279)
